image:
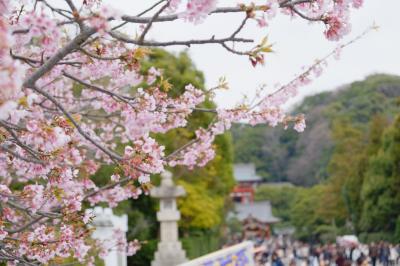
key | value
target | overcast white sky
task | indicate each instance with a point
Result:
(296, 42)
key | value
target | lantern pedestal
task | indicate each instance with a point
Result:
(169, 250)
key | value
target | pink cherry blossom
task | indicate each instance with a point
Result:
(197, 10)
(132, 247)
(115, 177)
(300, 125)
(3, 233)
(357, 3)
(5, 192)
(273, 6)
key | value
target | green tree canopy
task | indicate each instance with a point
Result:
(381, 188)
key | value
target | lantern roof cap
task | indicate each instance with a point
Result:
(167, 189)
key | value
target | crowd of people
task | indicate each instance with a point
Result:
(282, 252)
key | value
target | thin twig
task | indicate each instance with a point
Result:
(148, 26)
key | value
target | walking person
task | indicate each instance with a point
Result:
(276, 261)
(341, 258)
(373, 253)
(384, 254)
(393, 255)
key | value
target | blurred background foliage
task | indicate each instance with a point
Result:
(346, 165)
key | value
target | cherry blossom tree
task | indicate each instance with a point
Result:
(72, 98)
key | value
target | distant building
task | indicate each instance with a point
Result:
(245, 173)
(247, 179)
(256, 218)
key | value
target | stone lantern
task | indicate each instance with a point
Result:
(169, 250)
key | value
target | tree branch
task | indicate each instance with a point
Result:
(295, 10)
(101, 147)
(52, 61)
(140, 14)
(188, 43)
(148, 26)
(13, 153)
(145, 20)
(108, 58)
(35, 61)
(32, 152)
(109, 186)
(25, 226)
(97, 88)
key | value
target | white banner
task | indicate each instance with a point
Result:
(237, 255)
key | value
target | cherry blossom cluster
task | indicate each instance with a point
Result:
(33, 243)
(75, 95)
(99, 18)
(154, 111)
(11, 71)
(198, 10)
(334, 14)
(43, 29)
(119, 243)
(199, 153)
